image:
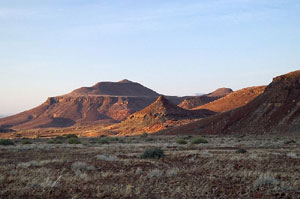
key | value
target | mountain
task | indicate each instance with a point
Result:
(196, 101)
(234, 99)
(159, 115)
(107, 102)
(221, 92)
(277, 109)
(122, 88)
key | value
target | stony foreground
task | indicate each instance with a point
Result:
(221, 168)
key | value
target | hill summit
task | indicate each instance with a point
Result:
(121, 88)
(196, 101)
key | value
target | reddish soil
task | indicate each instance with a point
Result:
(276, 110)
(234, 100)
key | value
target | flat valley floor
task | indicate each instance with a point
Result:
(226, 167)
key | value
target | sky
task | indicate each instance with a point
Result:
(175, 47)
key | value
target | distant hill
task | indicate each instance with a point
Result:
(106, 102)
(221, 92)
(277, 109)
(122, 88)
(157, 116)
(234, 99)
(196, 101)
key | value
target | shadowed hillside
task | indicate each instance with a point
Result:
(193, 102)
(276, 110)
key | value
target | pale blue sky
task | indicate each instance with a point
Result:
(176, 47)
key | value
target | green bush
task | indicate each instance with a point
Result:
(181, 141)
(152, 153)
(74, 140)
(241, 151)
(103, 141)
(199, 140)
(70, 136)
(6, 142)
(26, 141)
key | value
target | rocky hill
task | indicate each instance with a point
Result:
(277, 109)
(196, 101)
(104, 102)
(159, 115)
(234, 100)
(122, 88)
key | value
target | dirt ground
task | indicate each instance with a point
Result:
(269, 167)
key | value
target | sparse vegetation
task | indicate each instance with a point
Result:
(103, 141)
(241, 150)
(6, 142)
(55, 141)
(265, 180)
(107, 157)
(74, 140)
(153, 153)
(290, 142)
(26, 141)
(97, 171)
(181, 141)
(199, 140)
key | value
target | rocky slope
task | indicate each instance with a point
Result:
(196, 101)
(234, 100)
(159, 115)
(277, 109)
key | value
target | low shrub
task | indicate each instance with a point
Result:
(54, 141)
(199, 140)
(181, 141)
(6, 142)
(241, 150)
(290, 142)
(74, 140)
(26, 141)
(265, 180)
(152, 153)
(103, 141)
(107, 157)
